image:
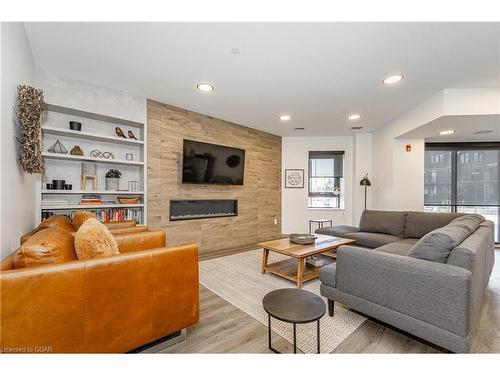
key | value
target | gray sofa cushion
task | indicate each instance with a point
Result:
(327, 275)
(470, 221)
(337, 230)
(397, 248)
(418, 224)
(372, 240)
(437, 245)
(409, 241)
(389, 222)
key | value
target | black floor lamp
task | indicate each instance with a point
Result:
(365, 182)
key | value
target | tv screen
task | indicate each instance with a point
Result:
(206, 163)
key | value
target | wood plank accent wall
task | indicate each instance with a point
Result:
(259, 199)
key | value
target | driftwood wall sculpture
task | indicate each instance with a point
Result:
(30, 106)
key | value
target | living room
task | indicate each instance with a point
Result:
(250, 187)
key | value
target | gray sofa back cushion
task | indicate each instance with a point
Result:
(418, 224)
(389, 222)
(437, 245)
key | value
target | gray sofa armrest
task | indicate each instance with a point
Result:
(337, 230)
(436, 293)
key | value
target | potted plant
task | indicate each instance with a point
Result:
(113, 179)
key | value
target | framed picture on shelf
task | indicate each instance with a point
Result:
(294, 178)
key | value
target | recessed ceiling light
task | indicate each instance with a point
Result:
(447, 132)
(393, 79)
(484, 131)
(298, 128)
(285, 117)
(205, 87)
(235, 51)
(356, 127)
(354, 116)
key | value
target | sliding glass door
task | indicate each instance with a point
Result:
(463, 177)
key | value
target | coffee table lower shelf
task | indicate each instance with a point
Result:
(289, 269)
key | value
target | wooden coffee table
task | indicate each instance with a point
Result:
(295, 269)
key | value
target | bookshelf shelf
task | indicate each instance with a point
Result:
(54, 156)
(89, 206)
(101, 192)
(86, 135)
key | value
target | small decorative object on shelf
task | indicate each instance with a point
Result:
(103, 155)
(89, 172)
(74, 125)
(119, 132)
(58, 184)
(113, 179)
(30, 106)
(50, 186)
(133, 185)
(129, 157)
(76, 151)
(131, 135)
(302, 239)
(128, 200)
(315, 261)
(91, 199)
(294, 178)
(58, 148)
(68, 187)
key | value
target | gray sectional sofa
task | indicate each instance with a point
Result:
(424, 273)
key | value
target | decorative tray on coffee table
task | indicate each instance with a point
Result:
(302, 239)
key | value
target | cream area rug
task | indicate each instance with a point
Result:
(238, 279)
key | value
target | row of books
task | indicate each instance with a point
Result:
(112, 214)
(119, 214)
(91, 199)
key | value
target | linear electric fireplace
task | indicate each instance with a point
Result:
(189, 209)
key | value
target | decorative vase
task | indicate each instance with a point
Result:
(112, 183)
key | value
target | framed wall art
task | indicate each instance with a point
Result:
(294, 178)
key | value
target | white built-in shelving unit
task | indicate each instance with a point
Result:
(97, 133)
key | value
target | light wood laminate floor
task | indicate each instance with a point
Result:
(223, 328)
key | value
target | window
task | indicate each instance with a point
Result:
(326, 179)
(469, 180)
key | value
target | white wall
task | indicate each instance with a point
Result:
(398, 176)
(17, 188)
(295, 155)
(362, 165)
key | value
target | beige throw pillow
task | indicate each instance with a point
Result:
(94, 240)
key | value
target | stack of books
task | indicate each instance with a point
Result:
(54, 202)
(90, 199)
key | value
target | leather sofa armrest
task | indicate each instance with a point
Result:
(137, 241)
(436, 293)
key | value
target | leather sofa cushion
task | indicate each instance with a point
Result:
(418, 224)
(120, 224)
(57, 221)
(372, 240)
(51, 245)
(389, 222)
(437, 245)
(94, 240)
(79, 218)
(337, 230)
(138, 241)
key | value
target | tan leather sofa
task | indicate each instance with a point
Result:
(110, 304)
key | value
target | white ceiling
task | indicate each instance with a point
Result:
(315, 72)
(465, 128)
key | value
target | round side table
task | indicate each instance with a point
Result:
(296, 306)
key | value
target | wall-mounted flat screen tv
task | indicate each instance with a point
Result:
(207, 163)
